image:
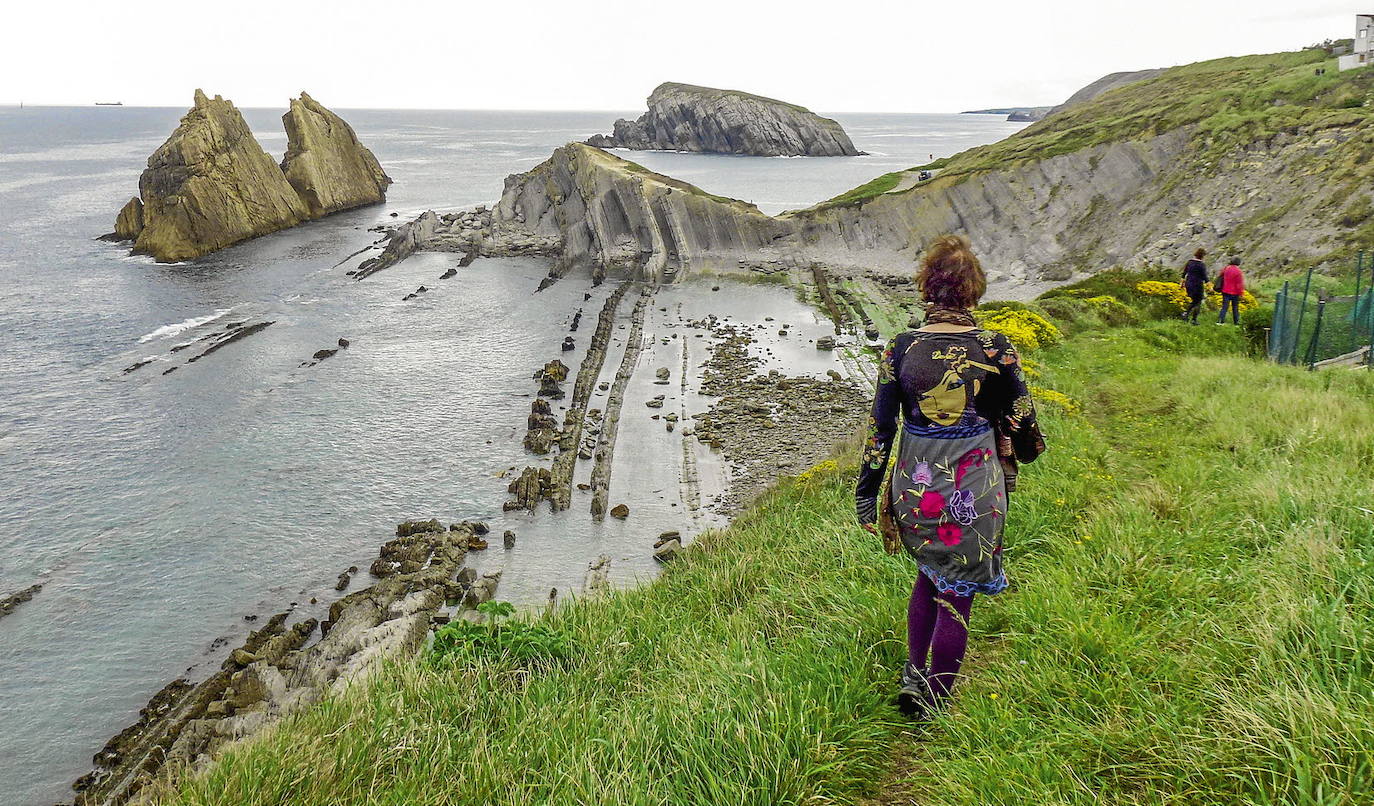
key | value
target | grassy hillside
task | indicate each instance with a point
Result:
(1191, 621)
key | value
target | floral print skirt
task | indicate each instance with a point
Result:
(949, 500)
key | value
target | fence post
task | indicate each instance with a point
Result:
(1302, 314)
(1355, 312)
(1277, 329)
(1311, 358)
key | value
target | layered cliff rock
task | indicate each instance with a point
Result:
(212, 185)
(614, 216)
(326, 164)
(683, 117)
(589, 209)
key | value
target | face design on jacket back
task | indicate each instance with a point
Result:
(946, 401)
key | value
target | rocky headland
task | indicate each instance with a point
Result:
(685, 117)
(212, 184)
(587, 208)
(1136, 169)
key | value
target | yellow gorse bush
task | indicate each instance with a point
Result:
(1175, 294)
(1055, 398)
(815, 470)
(1025, 330)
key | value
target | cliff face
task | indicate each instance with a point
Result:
(683, 117)
(211, 184)
(613, 215)
(326, 164)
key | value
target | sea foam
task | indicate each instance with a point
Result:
(181, 327)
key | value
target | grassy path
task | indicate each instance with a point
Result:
(1190, 623)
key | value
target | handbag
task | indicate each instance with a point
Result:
(1217, 284)
(887, 523)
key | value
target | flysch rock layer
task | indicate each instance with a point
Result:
(279, 670)
(326, 164)
(212, 184)
(589, 209)
(684, 117)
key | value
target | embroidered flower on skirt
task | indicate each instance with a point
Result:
(961, 507)
(952, 523)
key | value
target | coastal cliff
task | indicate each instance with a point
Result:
(326, 164)
(684, 117)
(1141, 169)
(211, 184)
(589, 209)
(615, 216)
(1263, 156)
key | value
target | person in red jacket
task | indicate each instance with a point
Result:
(1232, 286)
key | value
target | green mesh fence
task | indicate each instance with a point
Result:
(1310, 327)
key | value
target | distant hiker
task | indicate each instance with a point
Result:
(969, 419)
(1194, 282)
(1231, 284)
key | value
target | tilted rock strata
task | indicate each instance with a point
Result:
(326, 164)
(211, 185)
(619, 218)
(684, 117)
(278, 671)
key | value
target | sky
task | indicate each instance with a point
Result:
(834, 57)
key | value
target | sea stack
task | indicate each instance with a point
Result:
(683, 117)
(325, 163)
(212, 184)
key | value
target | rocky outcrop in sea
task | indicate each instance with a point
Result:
(212, 185)
(684, 117)
(326, 164)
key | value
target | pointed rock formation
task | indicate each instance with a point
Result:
(326, 164)
(212, 185)
(683, 117)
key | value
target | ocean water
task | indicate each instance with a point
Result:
(160, 510)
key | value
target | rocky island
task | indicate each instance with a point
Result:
(212, 184)
(684, 117)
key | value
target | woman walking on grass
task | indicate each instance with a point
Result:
(1194, 282)
(1232, 284)
(968, 419)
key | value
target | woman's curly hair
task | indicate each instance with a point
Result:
(950, 274)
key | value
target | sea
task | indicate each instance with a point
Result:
(163, 514)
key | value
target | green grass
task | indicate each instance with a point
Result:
(1230, 101)
(1191, 622)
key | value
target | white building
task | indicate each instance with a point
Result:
(1363, 54)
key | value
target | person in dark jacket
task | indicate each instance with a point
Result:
(956, 396)
(1194, 282)
(1232, 287)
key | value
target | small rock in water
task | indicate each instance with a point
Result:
(825, 343)
(620, 511)
(509, 539)
(662, 373)
(343, 342)
(344, 579)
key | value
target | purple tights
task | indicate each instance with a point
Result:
(932, 627)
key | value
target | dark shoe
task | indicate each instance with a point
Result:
(915, 698)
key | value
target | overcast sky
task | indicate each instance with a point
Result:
(849, 56)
